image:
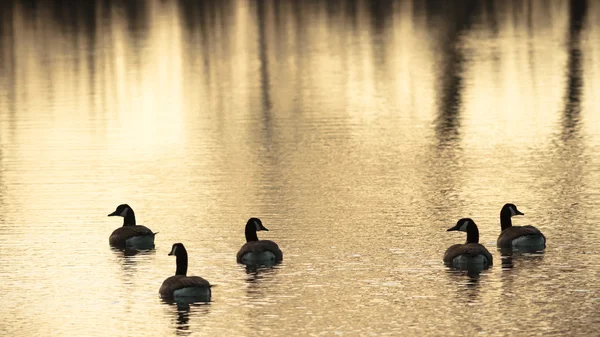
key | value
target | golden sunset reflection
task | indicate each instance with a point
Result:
(358, 131)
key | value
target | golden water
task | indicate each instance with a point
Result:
(358, 132)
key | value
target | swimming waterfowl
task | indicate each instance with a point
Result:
(130, 235)
(256, 251)
(518, 236)
(180, 285)
(471, 253)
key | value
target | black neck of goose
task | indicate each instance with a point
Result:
(129, 219)
(251, 232)
(182, 263)
(472, 234)
(505, 220)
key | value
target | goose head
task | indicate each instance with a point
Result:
(469, 226)
(178, 250)
(510, 210)
(252, 226)
(463, 225)
(256, 225)
(122, 210)
(182, 258)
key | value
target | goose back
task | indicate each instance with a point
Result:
(173, 284)
(257, 251)
(470, 251)
(508, 235)
(119, 236)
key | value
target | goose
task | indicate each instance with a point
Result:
(471, 253)
(180, 285)
(518, 236)
(256, 251)
(130, 235)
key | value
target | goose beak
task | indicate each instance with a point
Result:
(171, 253)
(264, 228)
(452, 229)
(518, 212)
(113, 213)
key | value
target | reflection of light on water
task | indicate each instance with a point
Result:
(501, 103)
(370, 139)
(148, 99)
(143, 103)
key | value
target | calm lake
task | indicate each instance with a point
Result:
(357, 131)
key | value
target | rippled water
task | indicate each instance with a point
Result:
(357, 131)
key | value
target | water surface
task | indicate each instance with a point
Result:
(357, 131)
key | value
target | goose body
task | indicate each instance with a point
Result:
(518, 236)
(180, 285)
(471, 253)
(130, 235)
(256, 251)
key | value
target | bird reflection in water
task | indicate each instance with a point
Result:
(131, 251)
(256, 277)
(183, 313)
(183, 320)
(509, 255)
(468, 288)
(129, 258)
(473, 273)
